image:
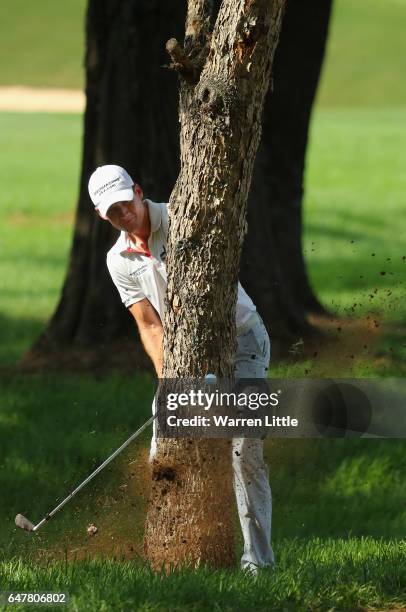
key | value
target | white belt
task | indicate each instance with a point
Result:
(254, 318)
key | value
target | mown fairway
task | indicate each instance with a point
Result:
(339, 505)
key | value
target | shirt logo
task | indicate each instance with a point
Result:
(138, 272)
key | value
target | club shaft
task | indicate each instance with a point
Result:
(96, 471)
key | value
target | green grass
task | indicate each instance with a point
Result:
(313, 574)
(356, 191)
(365, 55)
(40, 166)
(338, 487)
(43, 42)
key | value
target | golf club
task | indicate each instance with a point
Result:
(25, 524)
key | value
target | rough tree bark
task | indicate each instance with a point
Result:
(273, 267)
(223, 86)
(125, 123)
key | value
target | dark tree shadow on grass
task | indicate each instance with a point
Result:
(17, 336)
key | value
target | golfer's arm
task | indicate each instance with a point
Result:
(151, 331)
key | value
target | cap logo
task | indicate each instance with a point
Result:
(103, 188)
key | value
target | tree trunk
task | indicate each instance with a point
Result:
(273, 268)
(125, 123)
(221, 113)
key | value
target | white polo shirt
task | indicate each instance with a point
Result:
(138, 276)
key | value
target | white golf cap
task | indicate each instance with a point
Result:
(108, 185)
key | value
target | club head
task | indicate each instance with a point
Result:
(24, 523)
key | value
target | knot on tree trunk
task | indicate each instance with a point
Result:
(215, 97)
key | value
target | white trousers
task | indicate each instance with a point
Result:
(251, 478)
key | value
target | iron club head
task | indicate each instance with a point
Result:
(24, 523)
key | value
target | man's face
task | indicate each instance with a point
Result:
(127, 216)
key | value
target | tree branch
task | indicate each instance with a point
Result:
(181, 63)
(190, 60)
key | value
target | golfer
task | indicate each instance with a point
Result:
(137, 267)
